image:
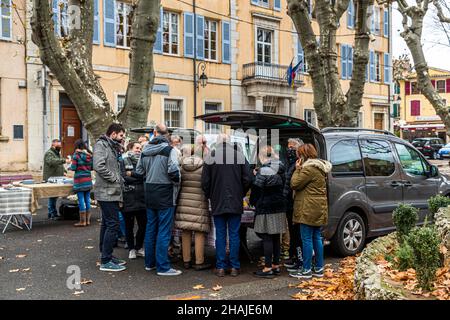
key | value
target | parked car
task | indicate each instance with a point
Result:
(429, 146)
(445, 151)
(373, 171)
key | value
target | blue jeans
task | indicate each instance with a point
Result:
(157, 238)
(84, 200)
(109, 229)
(232, 222)
(122, 229)
(52, 207)
(311, 239)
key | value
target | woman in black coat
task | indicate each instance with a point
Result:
(270, 209)
(133, 201)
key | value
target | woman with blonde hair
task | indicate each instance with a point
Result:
(309, 183)
(270, 209)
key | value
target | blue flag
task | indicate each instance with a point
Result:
(290, 80)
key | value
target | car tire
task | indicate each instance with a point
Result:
(348, 243)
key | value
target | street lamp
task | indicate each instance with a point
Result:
(203, 79)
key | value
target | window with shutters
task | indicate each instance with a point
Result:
(261, 3)
(120, 102)
(264, 45)
(173, 113)
(310, 116)
(351, 15)
(375, 20)
(18, 132)
(5, 19)
(440, 86)
(377, 64)
(415, 108)
(61, 17)
(211, 107)
(170, 32)
(210, 40)
(123, 24)
(360, 121)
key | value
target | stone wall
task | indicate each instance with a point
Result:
(369, 284)
(442, 223)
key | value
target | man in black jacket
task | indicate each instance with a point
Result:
(225, 181)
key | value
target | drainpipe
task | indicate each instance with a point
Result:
(195, 62)
(392, 73)
(44, 108)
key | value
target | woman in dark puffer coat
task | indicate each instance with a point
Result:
(270, 204)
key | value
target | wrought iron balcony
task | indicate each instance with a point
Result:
(269, 72)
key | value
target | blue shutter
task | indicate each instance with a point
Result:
(6, 19)
(372, 20)
(387, 68)
(351, 15)
(55, 17)
(188, 35)
(277, 5)
(372, 66)
(200, 38)
(386, 23)
(367, 72)
(343, 61)
(96, 36)
(349, 62)
(255, 2)
(226, 42)
(157, 47)
(109, 18)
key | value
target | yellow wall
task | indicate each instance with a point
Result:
(13, 100)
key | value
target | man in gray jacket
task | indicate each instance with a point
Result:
(108, 193)
(159, 165)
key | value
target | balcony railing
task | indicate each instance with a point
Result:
(268, 71)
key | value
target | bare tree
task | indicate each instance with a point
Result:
(333, 107)
(70, 60)
(413, 17)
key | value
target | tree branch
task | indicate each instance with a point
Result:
(440, 12)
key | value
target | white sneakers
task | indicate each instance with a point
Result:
(132, 254)
(141, 252)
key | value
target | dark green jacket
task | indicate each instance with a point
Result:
(310, 186)
(53, 164)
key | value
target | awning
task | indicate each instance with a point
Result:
(422, 126)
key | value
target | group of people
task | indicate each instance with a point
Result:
(161, 185)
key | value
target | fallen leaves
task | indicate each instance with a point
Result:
(85, 281)
(217, 287)
(14, 270)
(20, 289)
(335, 285)
(77, 293)
(20, 256)
(198, 287)
(89, 247)
(26, 269)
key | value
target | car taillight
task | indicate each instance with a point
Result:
(427, 147)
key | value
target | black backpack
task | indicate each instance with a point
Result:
(69, 210)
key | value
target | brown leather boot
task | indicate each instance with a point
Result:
(82, 222)
(88, 218)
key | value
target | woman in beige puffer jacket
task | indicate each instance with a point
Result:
(192, 213)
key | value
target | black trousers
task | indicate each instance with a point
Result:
(141, 218)
(272, 248)
(295, 243)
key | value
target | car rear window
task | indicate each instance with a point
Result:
(346, 158)
(419, 143)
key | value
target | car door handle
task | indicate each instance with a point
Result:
(407, 184)
(395, 184)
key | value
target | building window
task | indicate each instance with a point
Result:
(440, 86)
(415, 108)
(377, 61)
(5, 19)
(210, 40)
(120, 102)
(170, 32)
(172, 113)
(264, 45)
(375, 20)
(211, 107)
(310, 116)
(123, 24)
(415, 88)
(18, 132)
(359, 122)
(262, 3)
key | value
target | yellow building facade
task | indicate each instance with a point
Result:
(417, 117)
(243, 47)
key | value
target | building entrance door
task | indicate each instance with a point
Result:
(378, 121)
(70, 129)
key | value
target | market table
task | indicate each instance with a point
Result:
(47, 190)
(15, 207)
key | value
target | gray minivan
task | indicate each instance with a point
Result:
(373, 171)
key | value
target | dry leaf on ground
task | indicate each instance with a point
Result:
(77, 293)
(85, 281)
(20, 256)
(89, 247)
(198, 287)
(26, 269)
(217, 287)
(14, 270)
(20, 289)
